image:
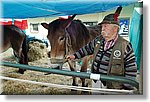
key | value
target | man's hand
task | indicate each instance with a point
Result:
(70, 57)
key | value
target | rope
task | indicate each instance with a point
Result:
(97, 90)
(68, 43)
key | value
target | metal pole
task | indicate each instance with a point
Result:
(76, 74)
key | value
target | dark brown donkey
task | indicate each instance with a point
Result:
(67, 36)
(14, 37)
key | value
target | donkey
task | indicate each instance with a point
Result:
(66, 36)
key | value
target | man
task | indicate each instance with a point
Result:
(113, 55)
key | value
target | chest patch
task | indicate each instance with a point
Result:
(117, 54)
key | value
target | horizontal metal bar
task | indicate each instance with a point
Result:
(72, 73)
(97, 90)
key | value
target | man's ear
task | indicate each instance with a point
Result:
(45, 25)
(116, 28)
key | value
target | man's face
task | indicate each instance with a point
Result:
(109, 31)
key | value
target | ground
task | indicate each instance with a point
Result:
(15, 87)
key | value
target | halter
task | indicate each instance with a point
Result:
(68, 44)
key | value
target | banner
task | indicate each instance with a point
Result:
(21, 24)
(136, 32)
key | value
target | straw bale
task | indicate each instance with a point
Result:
(37, 51)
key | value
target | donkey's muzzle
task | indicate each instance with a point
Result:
(56, 61)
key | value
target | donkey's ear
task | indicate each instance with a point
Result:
(68, 21)
(72, 17)
(45, 25)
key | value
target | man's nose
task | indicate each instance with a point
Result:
(103, 28)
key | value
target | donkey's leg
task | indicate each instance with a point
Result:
(23, 56)
(72, 66)
(17, 41)
(18, 53)
(84, 69)
(22, 61)
(23, 49)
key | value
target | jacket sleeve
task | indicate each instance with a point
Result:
(86, 50)
(130, 64)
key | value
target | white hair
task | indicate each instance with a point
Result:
(115, 25)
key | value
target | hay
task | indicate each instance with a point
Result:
(13, 88)
(36, 51)
(17, 88)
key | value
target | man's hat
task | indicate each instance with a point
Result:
(112, 18)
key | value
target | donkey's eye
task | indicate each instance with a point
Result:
(61, 38)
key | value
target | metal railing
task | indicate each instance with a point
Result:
(76, 74)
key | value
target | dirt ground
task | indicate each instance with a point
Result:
(17, 88)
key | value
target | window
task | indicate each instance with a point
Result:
(34, 27)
